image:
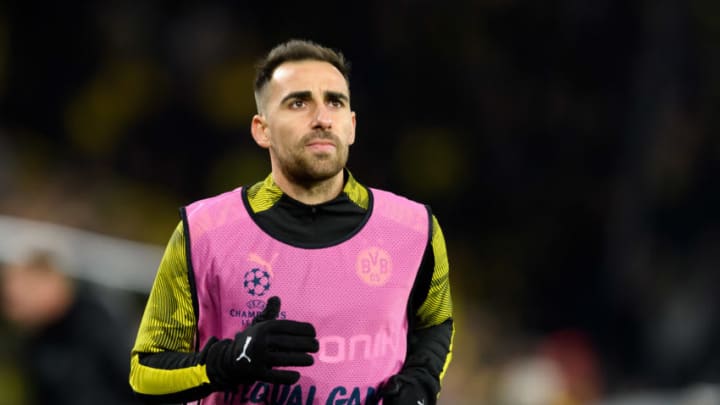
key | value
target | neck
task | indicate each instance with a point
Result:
(312, 193)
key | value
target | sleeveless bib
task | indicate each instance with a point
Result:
(355, 293)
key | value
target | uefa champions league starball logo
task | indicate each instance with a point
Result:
(257, 282)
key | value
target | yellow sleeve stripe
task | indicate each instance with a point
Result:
(448, 359)
(168, 323)
(438, 306)
(152, 381)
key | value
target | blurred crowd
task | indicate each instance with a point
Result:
(566, 147)
(71, 343)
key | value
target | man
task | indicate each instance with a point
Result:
(65, 357)
(306, 261)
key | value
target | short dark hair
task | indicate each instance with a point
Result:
(296, 50)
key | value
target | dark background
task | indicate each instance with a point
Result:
(568, 149)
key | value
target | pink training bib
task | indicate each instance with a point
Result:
(355, 293)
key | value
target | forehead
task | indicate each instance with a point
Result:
(310, 75)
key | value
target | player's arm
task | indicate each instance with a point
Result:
(166, 369)
(164, 366)
(431, 329)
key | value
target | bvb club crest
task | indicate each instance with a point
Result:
(374, 266)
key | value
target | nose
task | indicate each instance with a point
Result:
(323, 118)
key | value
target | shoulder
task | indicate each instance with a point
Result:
(393, 196)
(212, 213)
(214, 201)
(401, 209)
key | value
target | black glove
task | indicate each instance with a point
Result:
(266, 343)
(405, 389)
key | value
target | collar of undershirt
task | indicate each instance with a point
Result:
(266, 194)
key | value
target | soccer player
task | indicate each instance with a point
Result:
(306, 287)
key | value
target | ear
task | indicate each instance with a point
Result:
(259, 130)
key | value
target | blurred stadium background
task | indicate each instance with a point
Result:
(566, 147)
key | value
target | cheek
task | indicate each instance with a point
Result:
(349, 134)
(284, 135)
(284, 142)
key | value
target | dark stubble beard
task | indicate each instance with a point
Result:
(303, 167)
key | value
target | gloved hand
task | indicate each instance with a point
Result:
(404, 389)
(266, 343)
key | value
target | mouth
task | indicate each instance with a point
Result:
(321, 145)
(321, 142)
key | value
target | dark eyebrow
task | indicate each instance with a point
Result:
(335, 95)
(307, 95)
(301, 95)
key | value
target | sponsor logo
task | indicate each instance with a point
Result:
(244, 355)
(264, 393)
(339, 349)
